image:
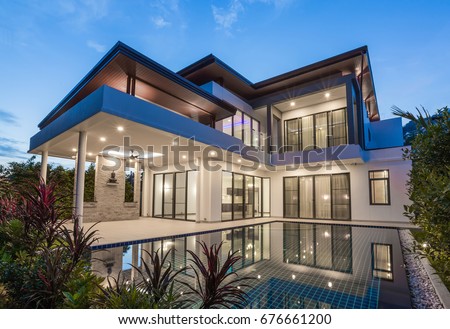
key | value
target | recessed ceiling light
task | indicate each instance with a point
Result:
(292, 103)
(120, 128)
(102, 139)
(239, 161)
(90, 154)
(293, 276)
(330, 284)
(183, 157)
(327, 95)
(259, 166)
(74, 149)
(229, 120)
(213, 153)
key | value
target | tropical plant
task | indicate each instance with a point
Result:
(121, 294)
(429, 184)
(217, 284)
(157, 280)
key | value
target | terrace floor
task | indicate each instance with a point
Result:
(145, 227)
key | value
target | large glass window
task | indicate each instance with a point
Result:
(175, 195)
(306, 197)
(340, 186)
(244, 196)
(379, 187)
(227, 194)
(319, 130)
(247, 129)
(243, 127)
(249, 197)
(291, 197)
(320, 196)
(293, 136)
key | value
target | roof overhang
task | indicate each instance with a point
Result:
(155, 82)
(356, 61)
(100, 113)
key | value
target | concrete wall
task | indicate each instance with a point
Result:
(109, 202)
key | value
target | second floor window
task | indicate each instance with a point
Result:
(318, 130)
(379, 187)
(244, 127)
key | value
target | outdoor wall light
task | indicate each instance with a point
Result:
(292, 103)
(120, 128)
(327, 95)
(102, 139)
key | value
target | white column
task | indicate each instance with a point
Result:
(147, 189)
(137, 182)
(44, 160)
(79, 180)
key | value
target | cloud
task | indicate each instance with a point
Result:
(96, 46)
(9, 148)
(226, 18)
(160, 22)
(7, 117)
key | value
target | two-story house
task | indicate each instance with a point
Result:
(206, 144)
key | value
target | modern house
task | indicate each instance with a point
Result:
(206, 144)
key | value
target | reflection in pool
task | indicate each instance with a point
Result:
(295, 265)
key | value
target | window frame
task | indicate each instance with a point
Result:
(388, 186)
(391, 258)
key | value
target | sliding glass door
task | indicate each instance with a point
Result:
(175, 195)
(319, 196)
(244, 196)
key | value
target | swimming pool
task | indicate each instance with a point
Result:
(295, 265)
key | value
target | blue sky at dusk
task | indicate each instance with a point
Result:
(46, 47)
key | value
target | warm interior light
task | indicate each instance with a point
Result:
(213, 153)
(74, 149)
(327, 95)
(183, 157)
(102, 139)
(239, 160)
(293, 276)
(120, 128)
(90, 154)
(292, 103)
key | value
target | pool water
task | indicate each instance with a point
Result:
(295, 265)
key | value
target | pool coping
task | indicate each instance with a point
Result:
(284, 220)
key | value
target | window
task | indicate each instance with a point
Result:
(244, 196)
(175, 195)
(319, 130)
(382, 261)
(379, 187)
(319, 196)
(243, 127)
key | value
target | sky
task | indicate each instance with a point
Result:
(47, 47)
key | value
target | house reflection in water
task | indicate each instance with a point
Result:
(295, 265)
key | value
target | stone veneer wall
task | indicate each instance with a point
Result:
(109, 202)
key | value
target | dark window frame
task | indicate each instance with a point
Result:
(174, 199)
(314, 193)
(391, 258)
(388, 186)
(330, 126)
(244, 177)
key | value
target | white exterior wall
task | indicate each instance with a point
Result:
(390, 159)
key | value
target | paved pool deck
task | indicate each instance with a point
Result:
(146, 228)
